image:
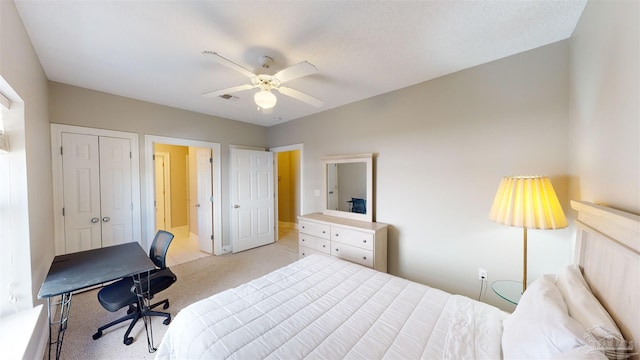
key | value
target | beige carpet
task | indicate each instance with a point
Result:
(196, 280)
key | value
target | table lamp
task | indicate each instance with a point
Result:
(528, 202)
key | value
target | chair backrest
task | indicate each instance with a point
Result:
(359, 205)
(159, 248)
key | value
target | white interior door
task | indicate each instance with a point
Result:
(116, 206)
(252, 199)
(205, 204)
(159, 193)
(81, 189)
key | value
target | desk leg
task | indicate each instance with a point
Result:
(61, 323)
(144, 300)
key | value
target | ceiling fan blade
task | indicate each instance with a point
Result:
(301, 96)
(228, 90)
(230, 64)
(295, 71)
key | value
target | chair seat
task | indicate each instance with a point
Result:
(121, 293)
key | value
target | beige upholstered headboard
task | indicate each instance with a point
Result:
(608, 250)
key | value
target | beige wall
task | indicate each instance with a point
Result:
(442, 147)
(605, 105)
(81, 107)
(30, 145)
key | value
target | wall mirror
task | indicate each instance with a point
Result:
(349, 186)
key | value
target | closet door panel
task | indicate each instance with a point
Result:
(115, 191)
(81, 174)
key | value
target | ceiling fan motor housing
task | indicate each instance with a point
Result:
(265, 82)
(265, 61)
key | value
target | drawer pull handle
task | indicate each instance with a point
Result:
(323, 231)
(364, 258)
(303, 254)
(364, 241)
(302, 239)
(337, 235)
(324, 245)
(337, 249)
(303, 227)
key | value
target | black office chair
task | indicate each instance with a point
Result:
(358, 205)
(121, 293)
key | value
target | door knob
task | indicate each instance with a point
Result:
(197, 205)
(95, 220)
(106, 219)
(236, 206)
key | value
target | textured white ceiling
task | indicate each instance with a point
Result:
(152, 50)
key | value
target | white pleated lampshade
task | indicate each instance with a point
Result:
(528, 202)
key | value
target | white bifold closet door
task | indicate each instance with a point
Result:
(98, 208)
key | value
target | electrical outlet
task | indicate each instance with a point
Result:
(482, 274)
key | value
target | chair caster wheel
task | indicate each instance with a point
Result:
(128, 341)
(165, 306)
(167, 321)
(97, 335)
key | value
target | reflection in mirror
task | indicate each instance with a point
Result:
(348, 186)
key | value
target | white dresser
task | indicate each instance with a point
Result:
(361, 242)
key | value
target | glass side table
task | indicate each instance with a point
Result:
(510, 290)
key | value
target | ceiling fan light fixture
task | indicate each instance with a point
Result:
(265, 99)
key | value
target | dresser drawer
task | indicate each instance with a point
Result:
(352, 237)
(306, 251)
(315, 229)
(352, 253)
(314, 242)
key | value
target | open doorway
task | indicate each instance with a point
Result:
(288, 185)
(182, 194)
(176, 203)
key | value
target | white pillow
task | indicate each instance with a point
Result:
(602, 331)
(585, 352)
(583, 305)
(540, 327)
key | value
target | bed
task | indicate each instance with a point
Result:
(326, 308)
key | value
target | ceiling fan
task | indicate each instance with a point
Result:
(264, 98)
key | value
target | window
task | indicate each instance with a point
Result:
(5, 213)
(4, 139)
(15, 257)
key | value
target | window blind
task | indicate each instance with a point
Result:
(5, 105)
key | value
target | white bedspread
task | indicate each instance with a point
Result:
(324, 308)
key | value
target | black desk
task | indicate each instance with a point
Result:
(80, 270)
